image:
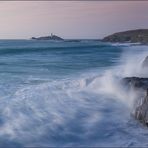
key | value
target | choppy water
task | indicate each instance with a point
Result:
(67, 94)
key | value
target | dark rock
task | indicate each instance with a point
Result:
(33, 38)
(145, 62)
(141, 105)
(141, 112)
(136, 82)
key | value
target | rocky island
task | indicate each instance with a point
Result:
(131, 36)
(51, 37)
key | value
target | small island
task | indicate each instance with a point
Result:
(52, 37)
(131, 36)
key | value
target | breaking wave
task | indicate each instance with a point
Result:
(89, 109)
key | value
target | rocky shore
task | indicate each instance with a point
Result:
(141, 84)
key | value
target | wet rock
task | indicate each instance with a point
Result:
(145, 63)
(141, 104)
(136, 82)
(141, 112)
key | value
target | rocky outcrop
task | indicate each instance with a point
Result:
(132, 36)
(145, 63)
(141, 84)
(141, 105)
(141, 112)
(136, 82)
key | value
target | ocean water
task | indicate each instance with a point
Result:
(68, 94)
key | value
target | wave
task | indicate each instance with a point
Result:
(65, 113)
(21, 50)
(92, 109)
(126, 44)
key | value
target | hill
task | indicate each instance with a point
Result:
(132, 36)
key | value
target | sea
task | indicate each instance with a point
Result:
(68, 94)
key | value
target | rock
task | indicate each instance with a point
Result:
(141, 84)
(141, 104)
(136, 82)
(141, 112)
(145, 63)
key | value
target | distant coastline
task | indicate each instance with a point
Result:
(130, 36)
(53, 37)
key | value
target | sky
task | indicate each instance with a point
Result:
(70, 19)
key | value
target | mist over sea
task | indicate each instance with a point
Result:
(68, 94)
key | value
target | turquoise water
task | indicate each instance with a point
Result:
(64, 94)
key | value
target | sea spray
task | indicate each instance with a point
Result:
(131, 62)
(110, 82)
(68, 94)
(59, 101)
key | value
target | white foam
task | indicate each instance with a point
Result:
(36, 110)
